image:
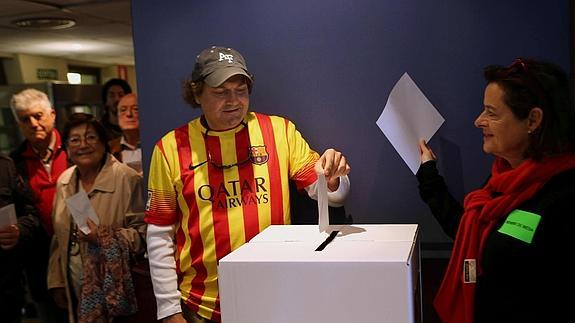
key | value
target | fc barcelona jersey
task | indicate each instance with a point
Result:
(220, 189)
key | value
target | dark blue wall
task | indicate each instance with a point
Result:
(330, 65)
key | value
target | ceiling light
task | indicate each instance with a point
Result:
(45, 23)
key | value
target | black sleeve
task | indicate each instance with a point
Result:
(26, 212)
(29, 220)
(434, 192)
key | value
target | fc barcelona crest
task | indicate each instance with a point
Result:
(259, 155)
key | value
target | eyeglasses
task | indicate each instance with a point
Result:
(531, 82)
(226, 166)
(76, 141)
(214, 163)
(220, 165)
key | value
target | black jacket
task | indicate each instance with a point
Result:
(521, 282)
(13, 190)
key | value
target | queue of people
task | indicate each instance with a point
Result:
(506, 233)
(72, 275)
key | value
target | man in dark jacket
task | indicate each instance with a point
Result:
(17, 240)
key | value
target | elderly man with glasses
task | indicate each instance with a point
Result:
(127, 148)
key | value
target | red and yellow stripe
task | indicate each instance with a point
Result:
(219, 209)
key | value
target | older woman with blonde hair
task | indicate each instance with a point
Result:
(89, 273)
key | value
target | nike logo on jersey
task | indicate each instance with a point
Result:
(192, 167)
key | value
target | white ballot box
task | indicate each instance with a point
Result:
(368, 273)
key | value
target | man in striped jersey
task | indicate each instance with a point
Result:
(219, 180)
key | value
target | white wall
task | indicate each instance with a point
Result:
(110, 72)
(23, 68)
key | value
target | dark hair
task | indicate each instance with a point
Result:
(192, 87)
(189, 90)
(119, 82)
(78, 119)
(530, 83)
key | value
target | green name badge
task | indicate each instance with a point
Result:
(521, 225)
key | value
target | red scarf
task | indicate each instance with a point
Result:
(455, 299)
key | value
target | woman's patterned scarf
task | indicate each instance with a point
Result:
(107, 288)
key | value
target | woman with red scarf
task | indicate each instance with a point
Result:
(513, 236)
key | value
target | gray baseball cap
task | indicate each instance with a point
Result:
(216, 64)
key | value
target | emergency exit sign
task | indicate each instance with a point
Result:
(47, 74)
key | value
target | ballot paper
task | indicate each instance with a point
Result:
(7, 215)
(322, 204)
(407, 117)
(81, 210)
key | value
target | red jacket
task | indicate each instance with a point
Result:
(42, 184)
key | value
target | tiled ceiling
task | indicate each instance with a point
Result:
(102, 34)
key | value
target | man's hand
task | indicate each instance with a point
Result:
(426, 152)
(176, 318)
(9, 236)
(332, 164)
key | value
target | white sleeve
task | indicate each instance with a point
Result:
(335, 198)
(163, 269)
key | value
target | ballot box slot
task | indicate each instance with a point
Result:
(327, 241)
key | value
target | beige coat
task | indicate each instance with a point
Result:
(117, 198)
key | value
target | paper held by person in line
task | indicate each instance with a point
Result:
(81, 210)
(407, 117)
(8, 215)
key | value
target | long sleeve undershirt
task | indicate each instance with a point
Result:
(161, 252)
